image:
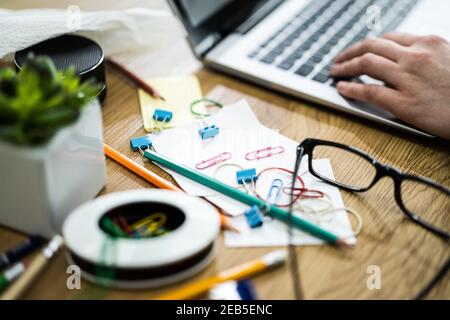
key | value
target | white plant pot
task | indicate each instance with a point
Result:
(40, 186)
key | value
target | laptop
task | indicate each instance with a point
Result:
(289, 45)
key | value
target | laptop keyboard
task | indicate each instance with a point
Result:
(307, 44)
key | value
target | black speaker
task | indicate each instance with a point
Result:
(83, 54)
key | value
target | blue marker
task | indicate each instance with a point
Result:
(17, 253)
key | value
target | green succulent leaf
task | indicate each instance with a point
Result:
(38, 101)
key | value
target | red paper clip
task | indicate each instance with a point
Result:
(264, 153)
(213, 161)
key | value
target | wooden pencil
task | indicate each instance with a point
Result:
(153, 178)
(136, 80)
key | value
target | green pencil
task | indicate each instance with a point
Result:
(243, 197)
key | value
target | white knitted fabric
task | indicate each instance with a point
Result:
(115, 31)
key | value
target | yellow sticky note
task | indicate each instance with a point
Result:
(179, 93)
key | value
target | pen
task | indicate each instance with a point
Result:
(10, 274)
(246, 198)
(17, 253)
(246, 270)
(18, 287)
(152, 178)
(137, 81)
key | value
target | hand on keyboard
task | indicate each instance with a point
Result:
(416, 71)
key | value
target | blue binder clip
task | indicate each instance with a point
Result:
(161, 116)
(254, 218)
(208, 132)
(140, 143)
(246, 176)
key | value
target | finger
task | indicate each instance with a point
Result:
(386, 98)
(378, 46)
(369, 64)
(404, 39)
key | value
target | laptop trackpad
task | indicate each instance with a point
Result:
(370, 108)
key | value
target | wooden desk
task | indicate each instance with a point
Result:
(407, 255)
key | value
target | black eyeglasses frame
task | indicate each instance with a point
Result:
(382, 170)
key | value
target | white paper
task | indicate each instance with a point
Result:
(274, 233)
(241, 133)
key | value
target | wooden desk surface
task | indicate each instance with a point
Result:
(407, 255)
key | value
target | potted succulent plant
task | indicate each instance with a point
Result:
(51, 151)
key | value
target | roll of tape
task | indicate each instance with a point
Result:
(192, 226)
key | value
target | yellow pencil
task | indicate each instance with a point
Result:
(242, 271)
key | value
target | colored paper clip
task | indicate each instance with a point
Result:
(151, 226)
(247, 176)
(274, 191)
(254, 218)
(140, 143)
(264, 153)
(213, 161)
(161, 116)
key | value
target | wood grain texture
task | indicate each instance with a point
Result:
(407, 255)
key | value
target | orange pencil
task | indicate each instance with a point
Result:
(152, 177)
(138, 169)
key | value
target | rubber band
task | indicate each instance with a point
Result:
(310, 214)
(253, 190)
(216, 171)
(358, 218)
(210, 101)
(317, 215)
(298, 178)
(303, 190)
(303, 193)
(326, 199)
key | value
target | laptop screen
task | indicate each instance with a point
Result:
(209, 21)
(199, 11)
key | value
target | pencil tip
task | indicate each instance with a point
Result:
(232, 228)
(342, 243)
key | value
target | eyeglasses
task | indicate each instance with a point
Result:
(423, 201)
